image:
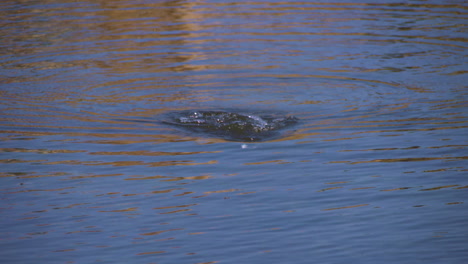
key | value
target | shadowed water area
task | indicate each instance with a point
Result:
(233, 132)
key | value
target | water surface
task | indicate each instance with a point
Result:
(374, 172)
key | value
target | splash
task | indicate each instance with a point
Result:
(232, 125)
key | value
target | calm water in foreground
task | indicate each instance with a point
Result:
(375, 171)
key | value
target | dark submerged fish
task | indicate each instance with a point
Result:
(231, 125)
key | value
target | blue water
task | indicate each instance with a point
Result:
(374, 171)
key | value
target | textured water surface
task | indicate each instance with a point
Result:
(373, 171)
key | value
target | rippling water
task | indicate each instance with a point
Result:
(375, 171)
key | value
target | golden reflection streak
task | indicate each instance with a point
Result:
(95, 176)
(21, 175)
(177, 211)
(83, 231)
(440, 187)
(404, 130)
(160, 232)
(147, 138)
(356, 124)
(401, 160)
(223, 191)
(395, 189)
(40, 151)
(146, 178)
(330, 188)
(379, 149)
(184, 193)
(115, 163)
(167, 191)
(80, 134)
(150, 153)
(363, 34)
(131, 209)
(71, 206)
(123, 22)
(175, 206)
(345, 6)
(132, 163)
(333, 77)
(79, 127)
(413, 119)
(10, 161)
(361, 188)
(345, 207)
(203, 177)
(299, 134)
(244, 193)
(339, 139)
(267, 162)
(45, 190)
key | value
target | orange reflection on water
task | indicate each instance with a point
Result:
(400, 160)
(146, 178)
(409, 159)
(440, 187)
(202, 177)
(83, 137)
(150, 153)
(361, 188)
(130, 163)
(22, 175)
(175, 206)
(160, 232)
(345, 207)
(177, 211)
(331, 188)
(40, 151)
(131, 209)
(95, 176)
(267, 162)
(222, 191)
